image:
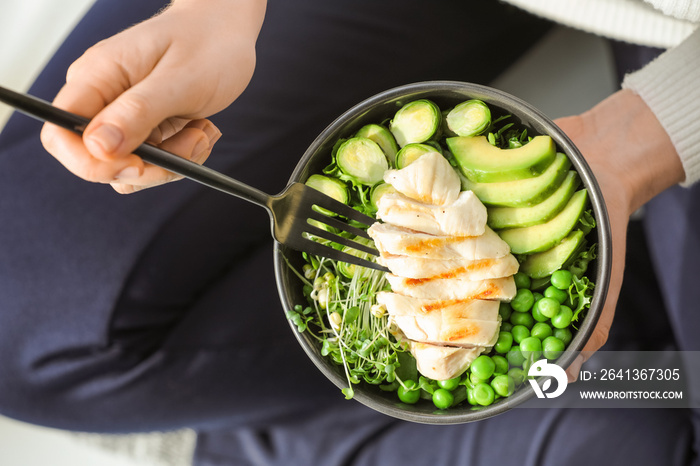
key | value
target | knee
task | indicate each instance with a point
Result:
(82, 390)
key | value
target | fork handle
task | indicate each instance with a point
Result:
(201, 174)
(44, 111)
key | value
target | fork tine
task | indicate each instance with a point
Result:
(321, 233)
(320, 249)
(337, 223)
(339, 208)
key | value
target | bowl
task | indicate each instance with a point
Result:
(379, 108)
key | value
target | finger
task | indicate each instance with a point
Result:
(573, 371)
(195, 142)
(86, 100)
(167, 129)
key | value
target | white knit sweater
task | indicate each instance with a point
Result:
(670, 85)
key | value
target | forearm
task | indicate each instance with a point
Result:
(640, 153)
(625, 144)
(235, 25)
(241, 18)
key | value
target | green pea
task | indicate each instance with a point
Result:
(563, 318)
(517, 374)
(449, 384)
(564, 334)
(537, 315)
(541, 330)
(523, 300)
(555, 293)
(475, 379)
(522, 318)
(503, 385)
(470, 396)
(548, 307)
(537, 296)
(562, 279)
(505, 310)
(552, 347)
(506, 326)
(501, 364)
(442, 399)
(520, 332)
(483, 367)
(515, 356)
(483, 394)
(522, 280)
(531, 346)
(410, 394)
(504, 342)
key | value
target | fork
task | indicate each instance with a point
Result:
(290, 211)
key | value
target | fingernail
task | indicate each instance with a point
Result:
(200, 148)
(129, 173)
(107, 137)
(212, 133)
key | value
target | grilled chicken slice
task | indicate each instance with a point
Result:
(465, 323)
(400, 305)
(391, 239)
(443, 362)
(419, 267)
(464, 217)
(430, 179)
(502, 289)
(438, 329)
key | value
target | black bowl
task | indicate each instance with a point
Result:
(380, 108)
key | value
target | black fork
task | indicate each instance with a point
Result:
(295, 215)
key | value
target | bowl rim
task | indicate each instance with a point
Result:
(544, 125)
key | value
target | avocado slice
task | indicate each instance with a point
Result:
(543, 264)
(482, 162)
(540, 237)
(525, 192)
(512, 217)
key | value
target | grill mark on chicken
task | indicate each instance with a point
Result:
(464, 332)
(440, 305)
(490, 291)
(425, 246)
(474, 266)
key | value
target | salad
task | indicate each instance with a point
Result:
(532, 203)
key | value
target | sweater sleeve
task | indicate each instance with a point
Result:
(688, 10)
(669, 86)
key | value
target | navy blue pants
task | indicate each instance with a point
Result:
(158, 310)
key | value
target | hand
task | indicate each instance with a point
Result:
(156, 81)
(633, 160)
